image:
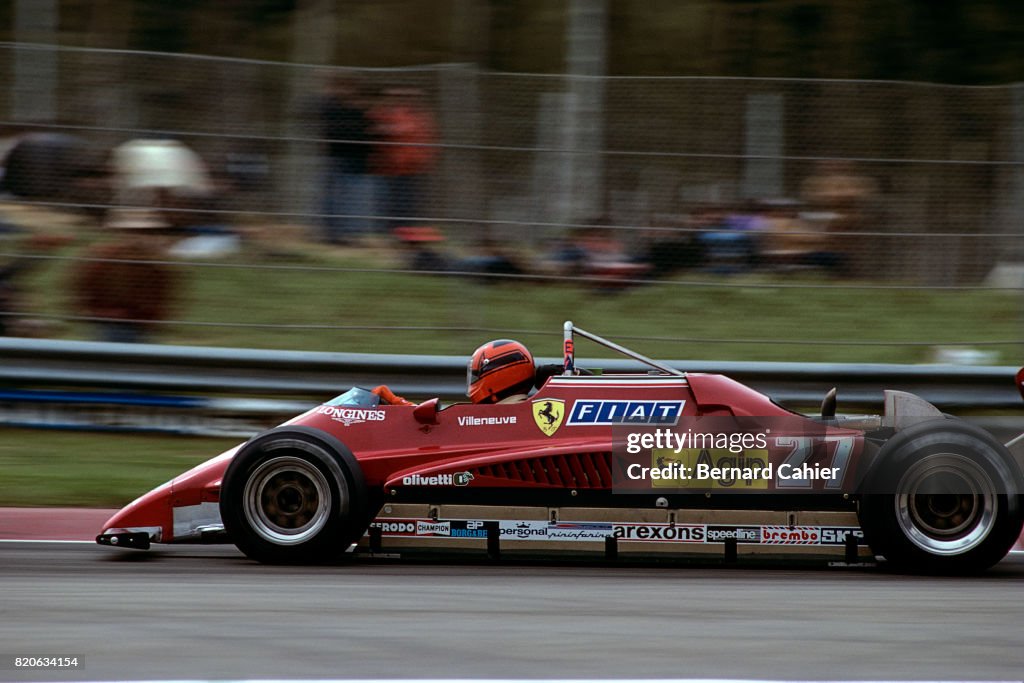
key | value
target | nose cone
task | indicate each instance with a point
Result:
(150, 513)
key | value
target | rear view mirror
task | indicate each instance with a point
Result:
(426, 412)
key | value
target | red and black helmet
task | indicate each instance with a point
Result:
(499, 369)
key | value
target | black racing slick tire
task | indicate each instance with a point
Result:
(293, 495)
(942, 498)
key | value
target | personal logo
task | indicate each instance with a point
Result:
(548, 413)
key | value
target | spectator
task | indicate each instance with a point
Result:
(53, 167)
(596, 252)
(421, 247)
(149, 172)
(836, 190)
(491, 258)
(124, 283)
(670, 247)
(407, 133)
(839, 201)
(790, 241)
(728, 241)
(348, 189)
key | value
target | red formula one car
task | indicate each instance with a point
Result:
(609, 464)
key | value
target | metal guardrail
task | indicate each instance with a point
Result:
(34, 363)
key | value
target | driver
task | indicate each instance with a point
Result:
(500, 371)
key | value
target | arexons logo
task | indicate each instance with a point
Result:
(673, 533)
(587, 412)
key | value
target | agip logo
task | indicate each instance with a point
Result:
(548, 413)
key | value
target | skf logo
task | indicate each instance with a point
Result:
(591, 412)
(548, 413)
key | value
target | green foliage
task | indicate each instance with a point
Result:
(951, 41)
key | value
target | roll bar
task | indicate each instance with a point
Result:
(569, 351)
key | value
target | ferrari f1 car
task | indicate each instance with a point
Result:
(611, 464)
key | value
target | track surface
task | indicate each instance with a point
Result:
(207, 612)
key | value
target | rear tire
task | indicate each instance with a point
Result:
(293, 496)
(943, 498)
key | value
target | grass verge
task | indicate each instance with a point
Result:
(88, 469)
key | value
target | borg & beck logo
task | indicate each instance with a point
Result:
(457, 479)
(592, 412)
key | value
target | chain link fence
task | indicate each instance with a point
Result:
(203, 200)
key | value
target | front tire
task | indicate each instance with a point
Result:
(943, 498)
(293, 496)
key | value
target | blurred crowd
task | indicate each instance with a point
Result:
(154, 201)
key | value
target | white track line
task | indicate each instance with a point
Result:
(525, 680)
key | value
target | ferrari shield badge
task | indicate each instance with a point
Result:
(547, 413)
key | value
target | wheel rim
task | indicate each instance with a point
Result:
(946, 504)
(287, 500)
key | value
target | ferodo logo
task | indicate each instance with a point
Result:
(350, 416)
(678, 533)
(396, 527)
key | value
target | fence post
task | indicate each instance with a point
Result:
(1014, 216)
(585, 61)
(461, 179)
(762, 172)
(312, 43)
(35, 67)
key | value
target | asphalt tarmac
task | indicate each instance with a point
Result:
(207, 612)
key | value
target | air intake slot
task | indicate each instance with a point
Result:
(573, 470)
